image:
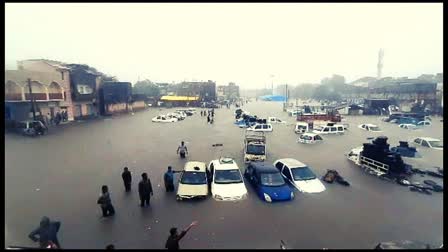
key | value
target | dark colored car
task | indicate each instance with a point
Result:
(268, 182)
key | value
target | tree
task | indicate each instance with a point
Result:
(147, 88)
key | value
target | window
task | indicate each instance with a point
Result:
(417, 140)
(255, 149)
(228, 176)
(272, 179)
(326, 129)
(279, 165)
(84, 89)
(62, 75)
(333, 129)
(340, 128)
(317, 137)
(303, 173)
(194, 178)
(265, 126)
(425, 143)
(258, 127)
(363, 126)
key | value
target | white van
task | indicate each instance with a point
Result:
(330, 128)
(301, 127)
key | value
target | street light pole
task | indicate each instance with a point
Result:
(32, 99)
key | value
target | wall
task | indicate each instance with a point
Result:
(138, 105)
(116, 108)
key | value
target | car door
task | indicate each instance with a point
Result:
(286, 173)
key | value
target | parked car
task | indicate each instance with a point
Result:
(193, 181)
(424, 123)
(227, 182)
(268, 182)
(309, 138)
(301, 127)
(179, 115)
(275, 120)
(30, 128)
(369, 127)
(429, 142)
(299, 175)
(330, 128)
(407, 126)
(266, 127)
(164, 119)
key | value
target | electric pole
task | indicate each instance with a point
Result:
(33, 108)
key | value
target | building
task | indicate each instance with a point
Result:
(115, 97)
(85, 83)
(206, 91)
(230, 92)
(49, 86)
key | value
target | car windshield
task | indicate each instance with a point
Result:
(302, 173)
(227, 176)
(255, 149)
(436, 144)
(272, 179)
(194, 178)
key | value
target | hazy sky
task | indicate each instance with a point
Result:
(243, 43)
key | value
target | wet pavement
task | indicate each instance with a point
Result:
(60, 175)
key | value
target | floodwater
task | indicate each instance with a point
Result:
(60, 176)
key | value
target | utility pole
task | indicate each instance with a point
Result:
(33, 108)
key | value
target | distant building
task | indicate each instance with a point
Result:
(115, 97)
(50, 86)
(362, 82)
(206, 91)
(230, 92)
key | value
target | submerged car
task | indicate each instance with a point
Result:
(275, 120)
(429, 142)
(299, 175)
(370, 127)
(263, 127)
(164, 119)
(193, 181)
(407, 126)
(227, 181)
(309, 138)
(268, 182)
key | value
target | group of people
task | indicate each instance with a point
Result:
(210, 115)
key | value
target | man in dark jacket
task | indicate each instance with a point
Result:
(169, 179)
(173, 240)
(127, 179)
(47, 232)
(145, 190)
(105, 202)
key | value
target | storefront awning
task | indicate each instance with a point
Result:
(179, 98)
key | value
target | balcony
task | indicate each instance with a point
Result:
(36, 96)
(55, 96)
(13, 97)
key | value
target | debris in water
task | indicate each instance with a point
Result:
(37, 189)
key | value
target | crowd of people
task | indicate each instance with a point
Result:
(46, 233)
(210, 115)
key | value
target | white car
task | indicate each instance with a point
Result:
(263, 127)
(299, 175)
(429, 142)
(275, 120)
(330, 128)
(424, 123)
(193, 181)
(407, 126)
(227, 181)
(178, 115)
(370, 127)
(164, 119)
(301, 127)
(309, 138)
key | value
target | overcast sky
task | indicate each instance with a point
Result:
(242, 43)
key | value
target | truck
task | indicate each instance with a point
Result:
(254, 147)
(376, 158)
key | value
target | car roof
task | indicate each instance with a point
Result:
(429, 138)
(219, 165)
(264, 167)
(370, 125)
(190, 166)
(291, 162)
(310, 134)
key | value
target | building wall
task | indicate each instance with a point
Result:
(138, 105)
(117, 108)
(45, 73)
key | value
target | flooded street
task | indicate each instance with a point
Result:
(60, 176)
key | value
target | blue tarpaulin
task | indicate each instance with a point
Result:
(279, 98)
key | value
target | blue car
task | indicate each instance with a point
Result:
(268, 182)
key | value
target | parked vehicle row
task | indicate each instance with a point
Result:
(225, 182)
(178, 115)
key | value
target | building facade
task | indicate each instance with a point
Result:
(115, 97)
(48, 85)
(206, 91)
(230, 92)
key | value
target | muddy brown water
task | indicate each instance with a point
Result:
(60, 176)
